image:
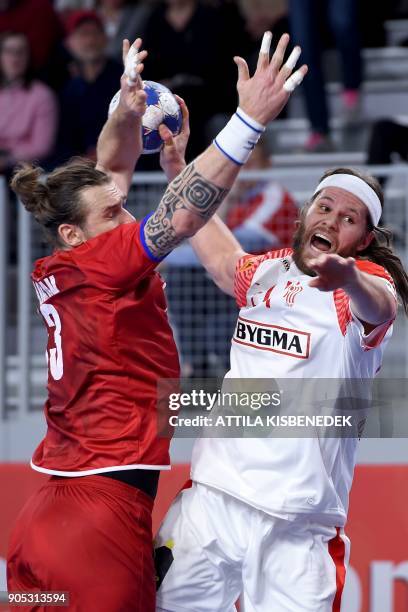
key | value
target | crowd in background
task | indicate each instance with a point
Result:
(60, 65)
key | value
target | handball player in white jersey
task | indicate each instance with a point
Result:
(263, 518)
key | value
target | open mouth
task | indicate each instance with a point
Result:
(321, 242)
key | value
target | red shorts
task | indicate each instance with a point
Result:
(90, 536)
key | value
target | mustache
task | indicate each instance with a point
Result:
(302, 236)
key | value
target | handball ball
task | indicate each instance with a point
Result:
(162, 107)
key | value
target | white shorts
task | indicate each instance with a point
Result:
(212, 549)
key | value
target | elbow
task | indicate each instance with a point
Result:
(392, 309)
(186, 224)
(388, 312)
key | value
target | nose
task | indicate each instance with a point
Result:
(332, 220)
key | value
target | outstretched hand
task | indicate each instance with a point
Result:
(333, 272)
(172, 155)
(132, 95)
(264, 95)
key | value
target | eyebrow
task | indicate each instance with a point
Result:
(353, 210)
(119, 202)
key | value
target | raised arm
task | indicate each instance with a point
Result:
(195, 194)
(120, 142)
(219, 251)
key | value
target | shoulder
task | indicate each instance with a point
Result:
(379, 271)
(248, 265)
(41, 92)
(364, 265)
(51, 263)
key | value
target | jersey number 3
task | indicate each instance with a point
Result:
(54, 355)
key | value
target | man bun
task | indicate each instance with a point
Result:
(33, 193)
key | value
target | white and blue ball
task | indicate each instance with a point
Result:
(162, 107)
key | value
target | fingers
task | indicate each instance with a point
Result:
(131, 61)
(263, 59)
(296, 79)
(277, 58)
(141, 96)
(243, 70)
(289, 65)
(166, 135)
(293, 58)
(125, 49)
(185, 128)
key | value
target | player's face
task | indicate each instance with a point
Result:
(105, 206)
(336, 222)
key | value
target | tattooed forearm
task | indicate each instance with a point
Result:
(159, 232)
(196, 194)
(191, 192)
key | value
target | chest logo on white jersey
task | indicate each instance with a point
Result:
(273, 338)
(291, 290)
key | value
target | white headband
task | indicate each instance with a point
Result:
(359, 188)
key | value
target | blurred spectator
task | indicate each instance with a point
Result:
(28, 109)
(191, 47)
(263, 15)
(122, 19)
(37, 20)
(28, 115)
(388, 139)
(304, 16)
(85, 98)
(261, 214)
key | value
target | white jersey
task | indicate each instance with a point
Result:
(287, 329)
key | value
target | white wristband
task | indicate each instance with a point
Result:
(239, 137)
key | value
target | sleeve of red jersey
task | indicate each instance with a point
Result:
(245, 270)
(373, 338)
(117, 259)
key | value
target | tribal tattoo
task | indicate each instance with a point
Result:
(189, 191)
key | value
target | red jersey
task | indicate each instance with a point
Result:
(109, 341)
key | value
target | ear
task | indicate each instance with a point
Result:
(71, 235)
(366, 240)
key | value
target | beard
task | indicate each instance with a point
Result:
(302, 237)
(299, 241)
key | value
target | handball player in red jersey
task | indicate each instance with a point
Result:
(88, 530)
